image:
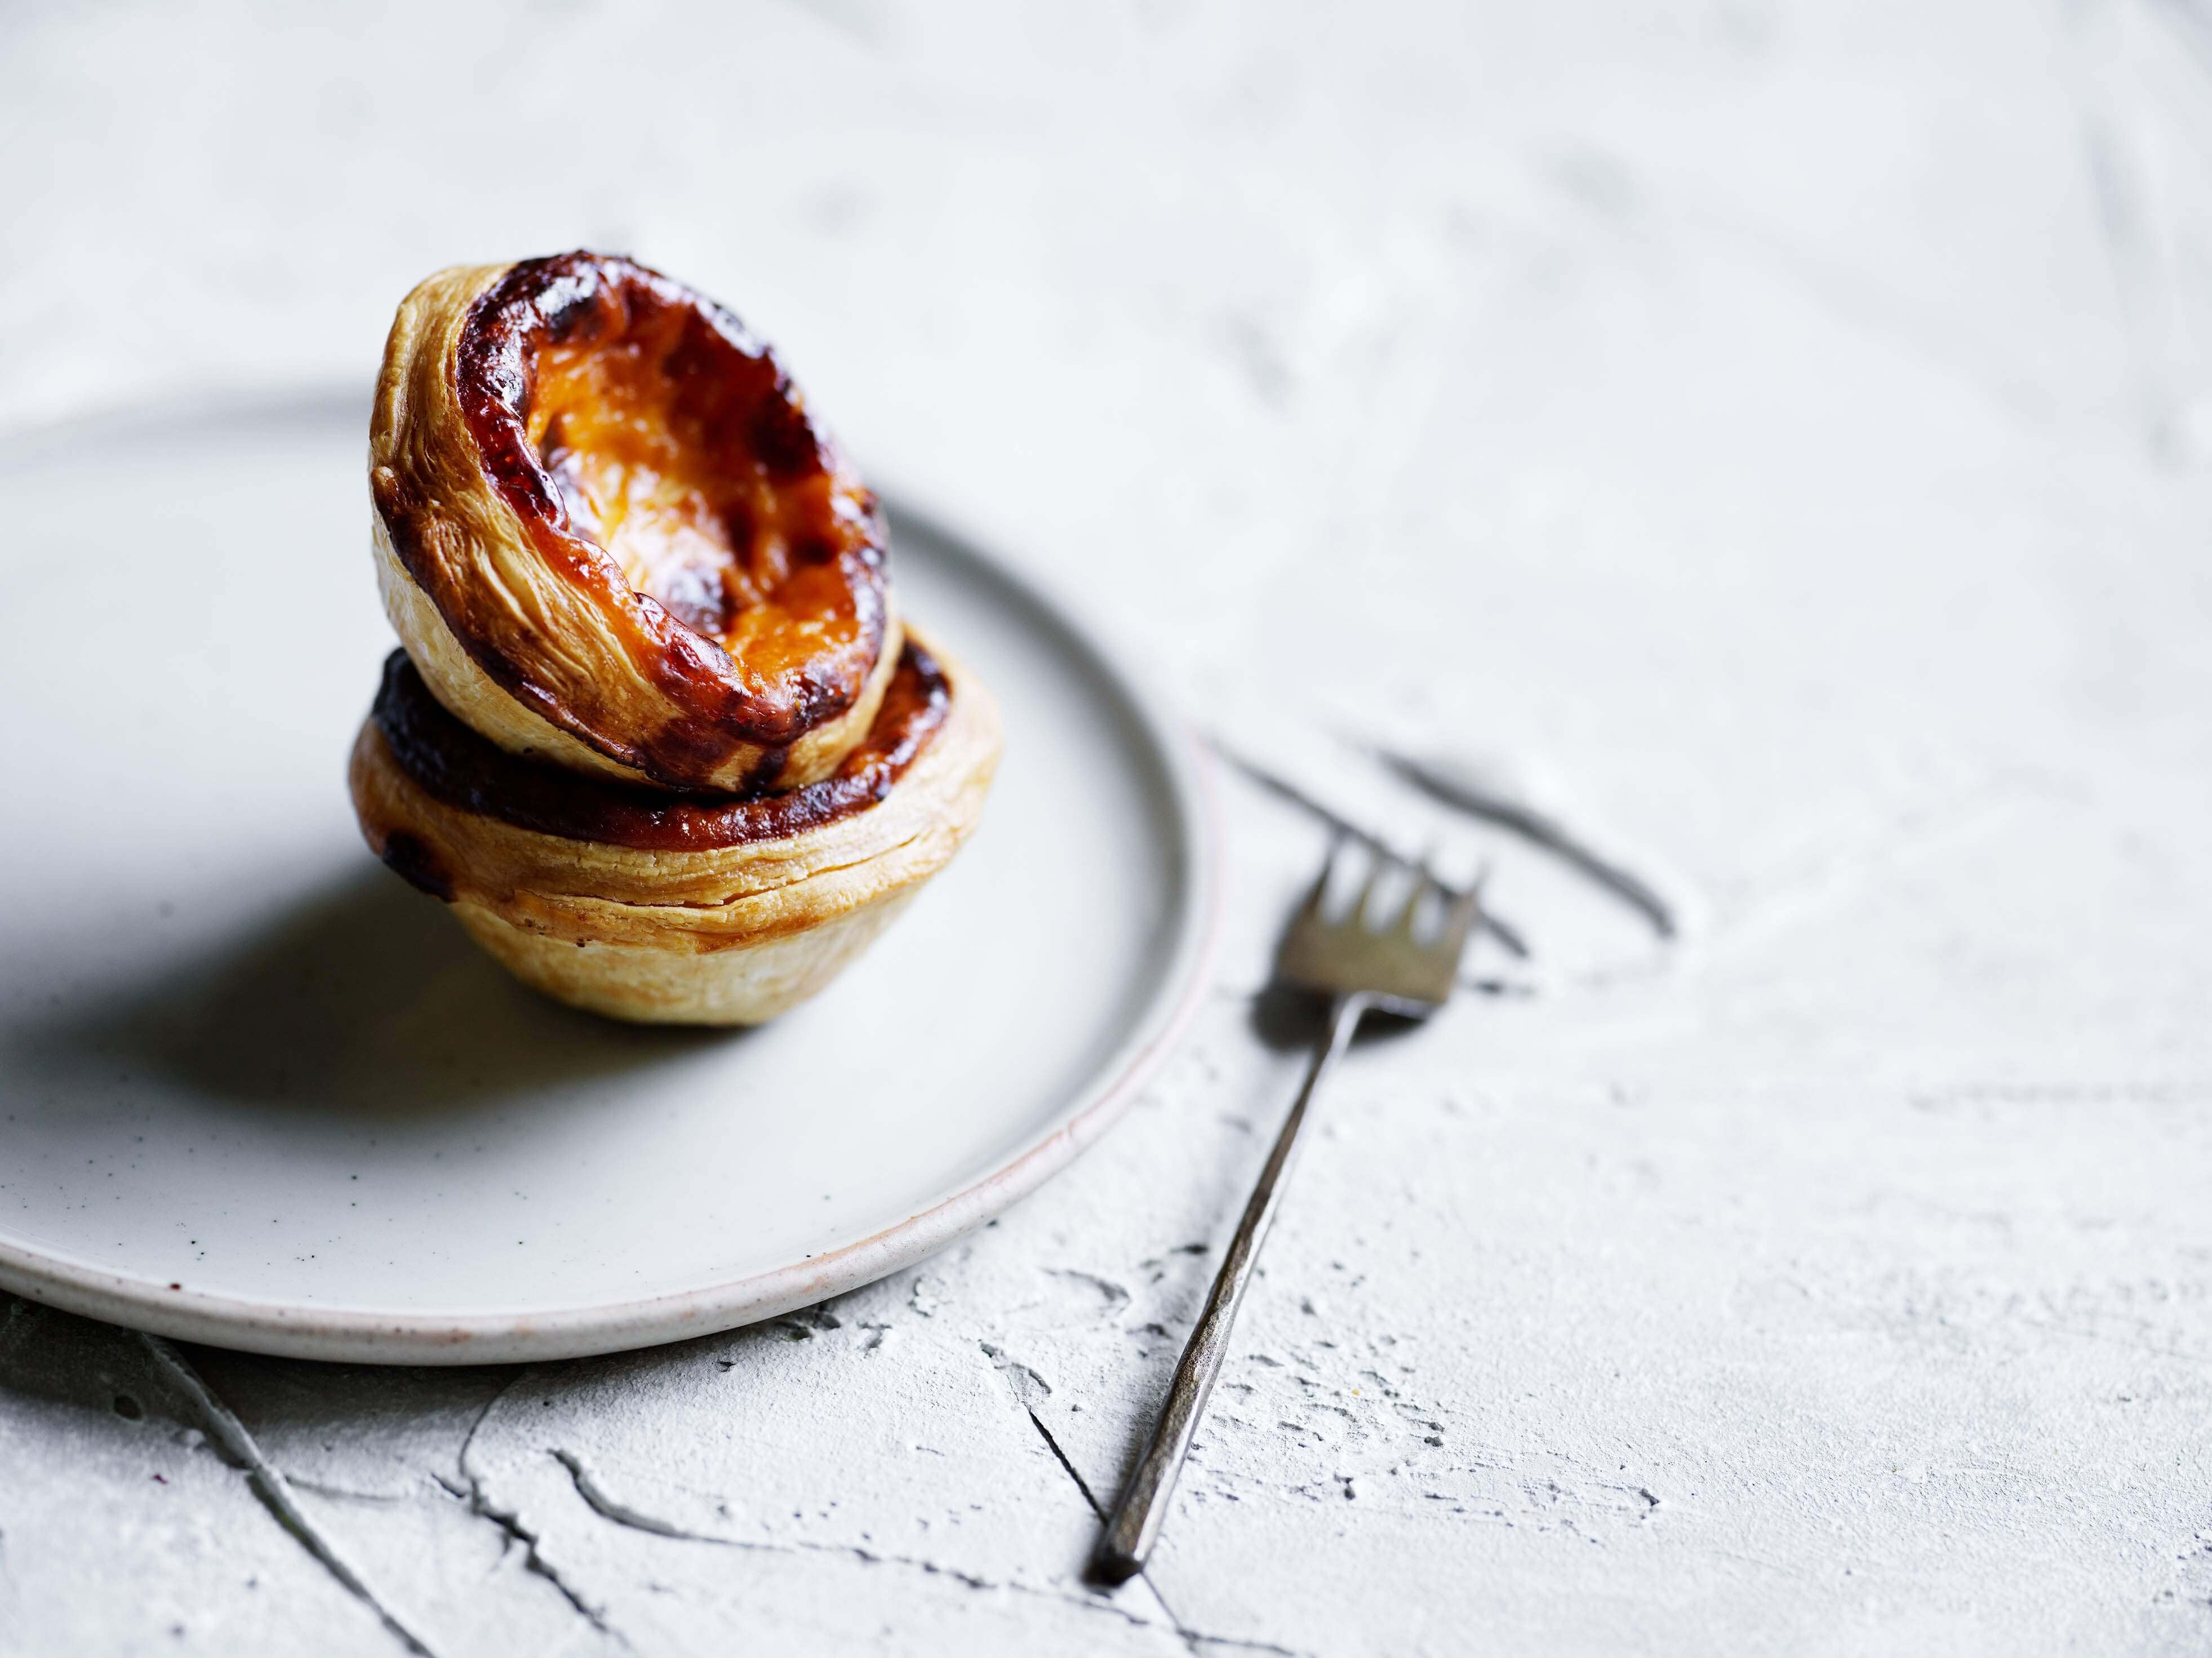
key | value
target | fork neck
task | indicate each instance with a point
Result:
(1345, 1010)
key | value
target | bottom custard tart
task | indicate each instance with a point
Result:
(676, 908)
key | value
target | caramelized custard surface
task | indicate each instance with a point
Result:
(644, 435)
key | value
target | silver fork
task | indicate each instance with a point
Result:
(1360, 968)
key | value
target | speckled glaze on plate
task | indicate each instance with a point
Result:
(256, 1092)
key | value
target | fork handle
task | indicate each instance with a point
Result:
(1136, 1523)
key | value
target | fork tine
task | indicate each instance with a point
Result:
(1310, 910)
(1465, 909)
(1356, 915)
(1424, 883)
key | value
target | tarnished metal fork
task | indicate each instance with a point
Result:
(1398, 969)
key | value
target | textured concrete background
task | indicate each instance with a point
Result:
(1777, 431)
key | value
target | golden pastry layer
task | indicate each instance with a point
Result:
(609, 533)
(666, 907)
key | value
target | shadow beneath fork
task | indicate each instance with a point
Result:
(1288, 1020)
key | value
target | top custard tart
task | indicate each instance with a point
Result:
(609, 533)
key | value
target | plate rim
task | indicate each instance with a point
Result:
(365, 1335)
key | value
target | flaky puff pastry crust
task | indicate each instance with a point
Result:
(610, 534)
(701, 912)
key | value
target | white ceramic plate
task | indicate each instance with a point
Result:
(256, 1092)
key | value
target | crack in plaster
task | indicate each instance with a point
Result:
(611, 1509)
(471, 1490)
(1028, 1388)
(1061, 1457)
(300, 1482)
(228, 1434)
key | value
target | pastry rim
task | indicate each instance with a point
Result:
(696, 898)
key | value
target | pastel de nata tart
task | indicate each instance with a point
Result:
(657, 734)
(609, 532)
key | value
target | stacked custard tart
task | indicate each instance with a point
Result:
(659, 735)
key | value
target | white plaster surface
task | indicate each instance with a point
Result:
(1776, 431)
